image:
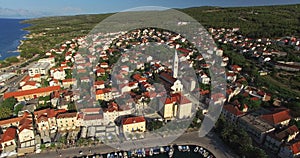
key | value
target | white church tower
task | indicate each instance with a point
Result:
(175, 65)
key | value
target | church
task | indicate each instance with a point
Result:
(170, 80)
(176, 105)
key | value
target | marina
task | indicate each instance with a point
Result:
(173, 151)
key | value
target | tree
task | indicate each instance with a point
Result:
(5, 112)
(18, 108)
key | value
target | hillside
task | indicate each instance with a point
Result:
(267, 21)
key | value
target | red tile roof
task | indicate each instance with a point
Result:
(66, 115)
(9, 134)
(9, 121)
(89, 110)
(295, 147)
(30, 92)
(31, 83)
(233, 109)
(167, 77)
(132, 120)
(26, 78)
(277, 117)
(69, 80)
(99, 83)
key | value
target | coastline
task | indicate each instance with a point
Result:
(14, 49)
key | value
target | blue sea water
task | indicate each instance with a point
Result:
(10, 35)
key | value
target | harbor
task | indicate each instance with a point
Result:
(172, 151)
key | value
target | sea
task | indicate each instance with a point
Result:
(10, 35)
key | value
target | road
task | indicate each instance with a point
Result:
(210, 142)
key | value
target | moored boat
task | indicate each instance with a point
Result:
(196, 149)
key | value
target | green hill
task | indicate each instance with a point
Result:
(266, 21)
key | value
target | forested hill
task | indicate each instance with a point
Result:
(266, 21)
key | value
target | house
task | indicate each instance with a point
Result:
(100, 72)
(46, 122)
(255, 126)
(32, 93)
(236, 68)
(30, 85)
(134, 125)
(204, 79)
(279, 117)
(9, 140)
(26, 134)
(231, 113)
(290, 150)
(50, 60)
(24, 80)
(99, 85)
(66, 83)
(114, 110)
(58, 73)
(37, 78)
(139, 78)
(275, 139)
(5, 124)
(104, 65)
(91, 117)
(104, 94)
(39, 68)
(66, 121)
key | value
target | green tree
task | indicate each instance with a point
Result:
(18, 108)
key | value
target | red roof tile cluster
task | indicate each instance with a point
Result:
(132, 120)
(139, 78)
(31, 92)
(233, 109)
(90, 110)
(103, 91)
(26, 122)
(112, 107)
(295, 148)
(47, 113)
(286, 132)
(167, 77)
(9, 134)
(69, 80)
(66, 115)
(277, 117)
(177, 98)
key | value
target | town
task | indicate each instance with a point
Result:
(69, 97)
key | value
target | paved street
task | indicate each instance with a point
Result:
(210, 142)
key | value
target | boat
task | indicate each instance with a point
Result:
(167, 149)
(129, 153)
(184, 148)
(162, 150)
(196, 149)
(147, 151)
(151, 152)
(120, 155)
(116, 155)
(125, 154)
(205, 154)
(156, 151)
(179, 147)
(143, 152)
(171, 152)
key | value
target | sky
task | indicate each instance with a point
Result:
(41, 8)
